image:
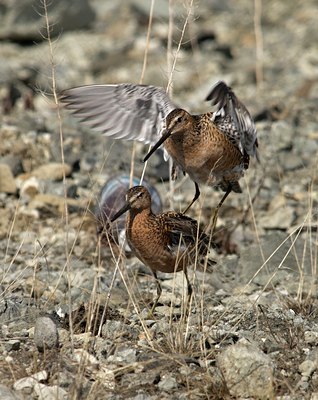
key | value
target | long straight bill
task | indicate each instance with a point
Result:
(163, 138)
(125, 208)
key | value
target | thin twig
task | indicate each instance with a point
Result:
(66, 215)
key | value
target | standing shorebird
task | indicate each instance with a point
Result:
(212, 148)
(166, 242)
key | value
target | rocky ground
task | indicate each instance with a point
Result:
(74, 312)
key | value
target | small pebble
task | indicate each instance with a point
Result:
(49, 392)
(307, 367)
(12, 344)
(45, 334)
(311, 337)
(168, 383)
(7, 181)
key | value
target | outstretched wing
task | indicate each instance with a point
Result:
(123, 111)
(233, 118)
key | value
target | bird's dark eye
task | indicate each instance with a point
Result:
(179, 119)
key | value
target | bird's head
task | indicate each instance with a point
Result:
(178, 121)
(137, 198)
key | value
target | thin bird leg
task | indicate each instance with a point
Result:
(217, 209)
(189, 291)
(196, 196)
(159, 291)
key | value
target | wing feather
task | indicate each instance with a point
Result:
(183, 232)
(123, 111)
(239, 125)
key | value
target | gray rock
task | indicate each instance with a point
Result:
(308, 367)
(311, 337)
(45, 334)
(282, 133)
(112, 328)
(8, 394)
(83, 357)
(247, 371)
(7, 181)
(16, 309)
(167, 383)
(280, 218)
(161, 9)
(303, 384)
(40, 376)
(126, 354)
(291, 161)
(23, 20)
(14, 162)
(45, 392)
(25, 384)
(52, 171)
(12, 344)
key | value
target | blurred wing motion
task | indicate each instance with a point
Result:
(123, 111)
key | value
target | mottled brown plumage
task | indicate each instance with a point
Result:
(165, 242)
(212, 148)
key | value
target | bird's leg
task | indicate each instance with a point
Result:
(196, 196)
(174, 171)
(189, 291)
(217, 209)
(159, 291)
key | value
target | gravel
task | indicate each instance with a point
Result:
(73, 311)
